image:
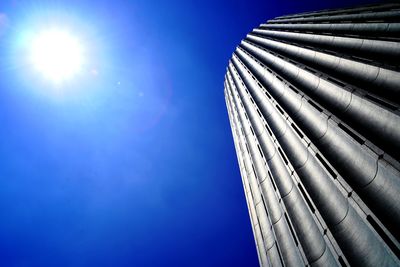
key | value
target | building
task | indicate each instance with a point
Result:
(313, 102)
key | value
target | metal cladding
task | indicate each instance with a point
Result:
(313, 100)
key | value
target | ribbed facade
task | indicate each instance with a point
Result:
(313, 101)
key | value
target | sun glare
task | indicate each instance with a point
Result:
(56, 54)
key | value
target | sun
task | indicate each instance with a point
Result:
(56, 54)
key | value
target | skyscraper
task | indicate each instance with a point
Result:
(313, 102)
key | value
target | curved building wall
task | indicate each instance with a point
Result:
(313, 100)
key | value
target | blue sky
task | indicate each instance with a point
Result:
(131, 162)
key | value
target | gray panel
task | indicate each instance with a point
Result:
(316, 126)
